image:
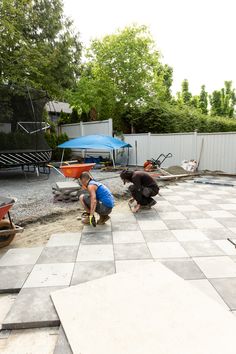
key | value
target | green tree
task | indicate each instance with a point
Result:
(203, 100)
(38, 46)
(223, 101)
(184, 96)
(123, 71)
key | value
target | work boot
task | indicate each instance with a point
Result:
(103, 219)
(152, 203)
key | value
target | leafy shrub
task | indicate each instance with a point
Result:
(53, 141)
(167, 118)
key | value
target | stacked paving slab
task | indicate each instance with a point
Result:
(186, 232)
(68, 191)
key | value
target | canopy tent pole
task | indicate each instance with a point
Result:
(112, 157)
(62, 156)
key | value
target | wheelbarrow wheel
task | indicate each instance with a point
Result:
(5, 240)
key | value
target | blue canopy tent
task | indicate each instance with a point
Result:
(95, 142)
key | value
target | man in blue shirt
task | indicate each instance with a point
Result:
(98, 199)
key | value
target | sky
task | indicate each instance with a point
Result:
(195, 37)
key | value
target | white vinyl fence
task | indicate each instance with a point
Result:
(217, 150)
(76, 130)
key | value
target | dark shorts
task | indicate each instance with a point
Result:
(101, 209)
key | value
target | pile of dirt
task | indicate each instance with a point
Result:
(176, 170)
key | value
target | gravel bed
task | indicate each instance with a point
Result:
(34, 194)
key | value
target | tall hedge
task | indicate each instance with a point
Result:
(167, 118)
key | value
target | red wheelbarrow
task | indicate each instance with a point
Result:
(7, 229)
(74, 171)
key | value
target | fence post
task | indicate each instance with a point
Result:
(195, 145)
(110, 127)
(81, 128)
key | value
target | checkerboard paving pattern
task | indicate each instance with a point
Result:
(186, 230)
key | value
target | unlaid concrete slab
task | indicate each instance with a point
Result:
(148, 311)
(68, 185)
(45, 275)
(13, 278)
(32, 308)
(64, 239)
(85, 271)
(62, 254)
(21, 256)
(62, 345)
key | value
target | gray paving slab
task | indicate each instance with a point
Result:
(131, 251)
(96, 238)
(13, 278)
(185, 268)
(98, 228)
(226, 287)
(21, 256)
(64, 239)
(152, 215)
(62, 344)
(209, 207)
(202, 248)
(32, 308)
(227, 222)
(67, 185)
(179, 224)
(62, 254)
(86, 271)
(218, 234)
(195, 215)
(159, 236)
(46, 275)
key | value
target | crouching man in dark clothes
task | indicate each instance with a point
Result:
(99, 199)
(143, 188)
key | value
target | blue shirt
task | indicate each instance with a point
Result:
(103, 194)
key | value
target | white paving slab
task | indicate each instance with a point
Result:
(149, 311)
(21, 256)
(226, 246)
(95, 253)
(206, 223)
(45, 275)
(64, 239)
(217, 267)
(128, 237)
(167, 250)
(189, 235)
(152, 225)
